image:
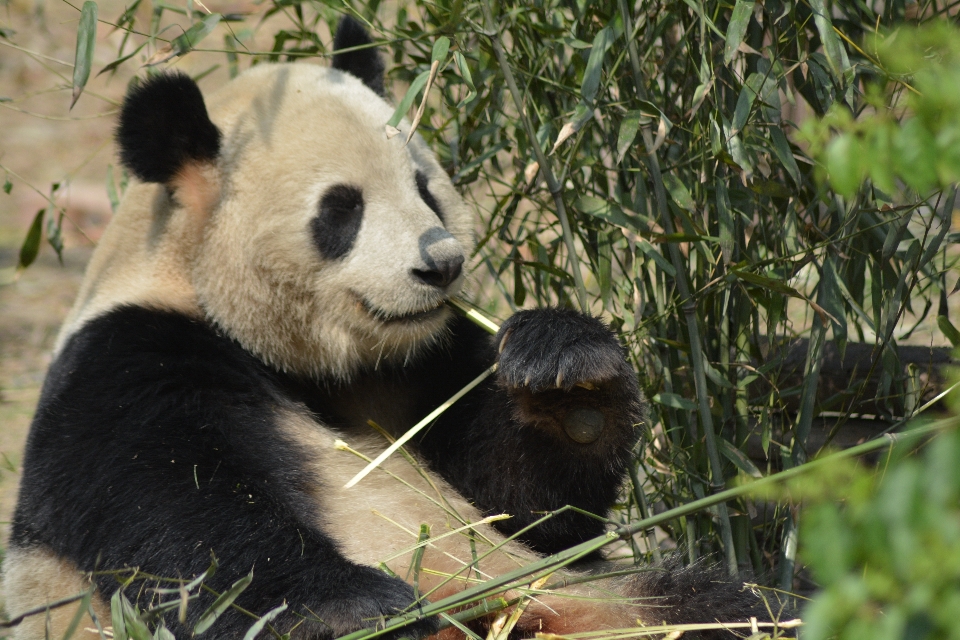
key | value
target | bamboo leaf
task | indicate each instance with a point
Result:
(948, 330)
(767, 283)
(440, 49)
(739, 21)
(464, 69)
(116, 616)
(591, 75)
(748, 95)
(258, 626)
(674, 401)
(185, 42)
(679, 192)
(81, 611)
(419, 83)
(628, 133)
(831, 43)
(222, 603)
(781, 147)
(738, 458)
(86, 39)
(31, 244)
(725, 220)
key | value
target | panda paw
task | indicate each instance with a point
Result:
(370, 602)
(566, 374)
(544, 349)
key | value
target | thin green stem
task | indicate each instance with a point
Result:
(689, 311)
(556, 189)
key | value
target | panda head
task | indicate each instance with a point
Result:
(307, 235)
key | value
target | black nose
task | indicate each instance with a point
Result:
(440, 273)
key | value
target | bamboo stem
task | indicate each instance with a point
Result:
(689, 309)
(556, 189)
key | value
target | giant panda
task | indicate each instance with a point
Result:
(274, 283)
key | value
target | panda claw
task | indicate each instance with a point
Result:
(503, 340)
(560, 380)
(526, 382)
(589, 386)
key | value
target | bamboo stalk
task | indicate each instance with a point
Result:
(556, 189)
(689, 309)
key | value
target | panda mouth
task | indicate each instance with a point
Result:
(388, 317)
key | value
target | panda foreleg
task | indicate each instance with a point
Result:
(556, 428)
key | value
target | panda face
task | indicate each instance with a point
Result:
(332, 247)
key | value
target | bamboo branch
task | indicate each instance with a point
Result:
(689, 308)
(556, 189)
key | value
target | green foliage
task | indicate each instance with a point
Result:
(919, 74)
(884, 544)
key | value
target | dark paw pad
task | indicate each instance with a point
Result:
(558, 348)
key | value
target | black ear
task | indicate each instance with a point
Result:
(365, 64)
(163, 126)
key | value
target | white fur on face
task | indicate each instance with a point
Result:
(291, 133)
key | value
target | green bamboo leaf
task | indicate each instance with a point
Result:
(781, 147)
(748, 95)
(831, 43)
(628, 133)
(162, 633)
(86, 39)
(135, 628)
(81, 611)
(674, 401)
(591, 75)
(31, 244)
(464, 69)
(738, 458)
(419, 82)
(116, 63)
(725, 219)
(949, 330)
(222, 603)
(185, 42)
(549, 268)
(844, 162)
(116, 616)
(739, 21)
(767, 283)
(440, 49)
(830, 298)
(190, 38)
(55, 235)
(604, 210)
(679, 192)
(7, 186)
(258, 626)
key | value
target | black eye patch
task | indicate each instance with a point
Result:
(427, 197)
(337, 222)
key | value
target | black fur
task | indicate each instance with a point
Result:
(337, 223)
(678, 594)
(365, 64)
(427, 197)
(155, 443)
(163, 125)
